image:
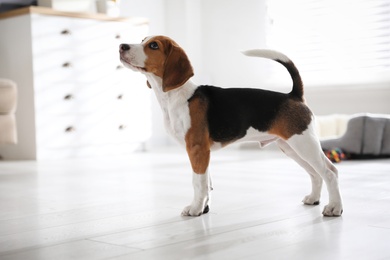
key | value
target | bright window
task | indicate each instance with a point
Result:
(333, 41)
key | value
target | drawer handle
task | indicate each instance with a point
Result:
(67, 65)
(120, 96)
(69, 97)
(70, 129)
(122, 127)
(119, 67)
(118, 36)
(66, 32)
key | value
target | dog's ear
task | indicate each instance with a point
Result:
(177, 69)
(148, 84)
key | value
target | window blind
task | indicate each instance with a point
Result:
(343, 41)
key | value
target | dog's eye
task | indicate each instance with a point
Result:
(153, 45)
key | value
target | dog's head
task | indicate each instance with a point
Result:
(160, 56)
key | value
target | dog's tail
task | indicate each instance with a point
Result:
(297, 89)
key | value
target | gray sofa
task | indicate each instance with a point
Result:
(366, 136)
(8, 100)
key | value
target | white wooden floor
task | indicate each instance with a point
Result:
(129, 208)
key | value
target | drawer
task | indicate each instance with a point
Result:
(60, 131)
(103, 93)
(96, 70)
(66, 66)
(68, 99)
(97, 128)
(54, 33)
(53, 67)
(70, 131)
(92, 32)
(50, 33)
(131, 127)
(43, 25)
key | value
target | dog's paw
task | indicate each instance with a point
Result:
(311, 200)
(333, 210)
(195, 211)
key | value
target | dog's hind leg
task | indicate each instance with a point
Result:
(308, 148)
(316, 181)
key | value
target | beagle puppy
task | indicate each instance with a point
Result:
(206, 118)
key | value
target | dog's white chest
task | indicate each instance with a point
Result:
(174, 105)
(177, 120)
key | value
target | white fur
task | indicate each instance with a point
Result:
(261, 137)
(306, 150)
(202, 189)
(174, 105)
(134, 59)
(269, 54)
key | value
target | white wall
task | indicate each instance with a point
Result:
(154, 10)
(214, 31)
(373, 98)
(229, 27)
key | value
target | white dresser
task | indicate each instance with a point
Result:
(75, 98)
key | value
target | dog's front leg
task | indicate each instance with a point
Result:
(199, 156)
(201, 199)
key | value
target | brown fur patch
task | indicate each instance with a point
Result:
(155, 60)
(169, 62)
(293, 118)
(197, 139)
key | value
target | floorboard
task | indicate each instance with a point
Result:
(129, 208)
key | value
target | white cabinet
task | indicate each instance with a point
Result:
(75, 97)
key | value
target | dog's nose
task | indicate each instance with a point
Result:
(124, 47)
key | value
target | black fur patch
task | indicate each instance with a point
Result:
(232, 111)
